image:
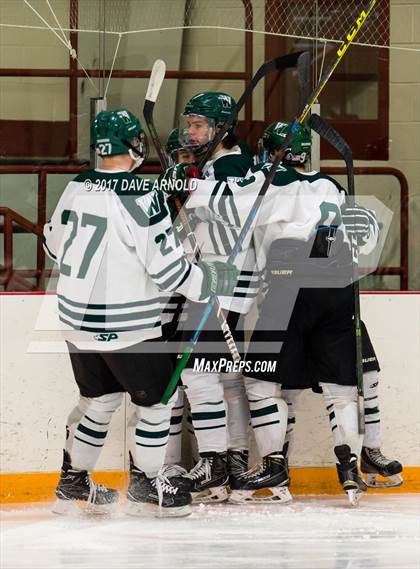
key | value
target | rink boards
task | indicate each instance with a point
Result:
(37, 392)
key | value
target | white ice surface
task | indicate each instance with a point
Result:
(311, 533)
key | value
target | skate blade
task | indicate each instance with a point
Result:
(354, 497)
(78, 508)
(141, 509)
(211, 495)
(378, 481)
(264, 495)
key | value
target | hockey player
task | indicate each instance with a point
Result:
(175, 152)
(218, 401)
(295, 206)
(173, 315)
(112, 238)
(373, 462)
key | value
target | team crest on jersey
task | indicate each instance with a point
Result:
(280, 168)
(150, 204)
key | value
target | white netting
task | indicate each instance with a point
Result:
(327, 20)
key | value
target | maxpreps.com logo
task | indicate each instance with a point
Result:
(106, 337)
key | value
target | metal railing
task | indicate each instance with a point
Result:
(7, 273)
(402, 269)
(16, 223)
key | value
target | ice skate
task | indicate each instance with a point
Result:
(266, 483)
(158, 496)
(374, 463)
(173, 470)
(76, 490)
(176, 473)
(348, 474)
(237, 464)
(208, 480)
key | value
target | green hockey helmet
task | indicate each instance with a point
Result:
(211, 104)
(202, 115)
(300, 147)
(175, 152)
(173, 144)
(119, 132)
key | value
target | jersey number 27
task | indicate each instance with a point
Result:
(99, 223)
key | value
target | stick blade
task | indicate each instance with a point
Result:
(304, 77)
(157, 76)
(326, 131)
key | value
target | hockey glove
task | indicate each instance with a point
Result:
(173, 180)
(218, 278)
(357, 221)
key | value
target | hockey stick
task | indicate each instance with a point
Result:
(327, 132)
(304, 68)
(157, 76)
(281, 62)
(254, 210)
(276, 64)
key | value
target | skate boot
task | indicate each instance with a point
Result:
(173, 471)
(348, 474)
(208, 480)
(155, 496)
(76, 489)
(237, 463)
(176, 473)
(285, 452)
(374, 463)
(267, 482)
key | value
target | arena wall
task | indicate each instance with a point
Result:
(37, 392)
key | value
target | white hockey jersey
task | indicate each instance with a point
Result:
(295, 205)
(216, 238)
(113, 240)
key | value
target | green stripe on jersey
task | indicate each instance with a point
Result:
(167, 284)
(124, 317)
(213, 239)
(111, 330)
(109, 306)
(166, 270)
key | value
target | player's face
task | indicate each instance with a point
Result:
(274, 154)
(198, 129)
(185, 156)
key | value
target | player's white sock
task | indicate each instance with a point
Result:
(151, 435)
(174, 447)
(192, 439)
(87, 432)
(268, 414)
(372, 437)
(237, 411)
(73, 420)
(290, 396)
(341, 400)
(208, 411)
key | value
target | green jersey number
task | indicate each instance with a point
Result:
(100, 225)
(330, 214)
(165, 249)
